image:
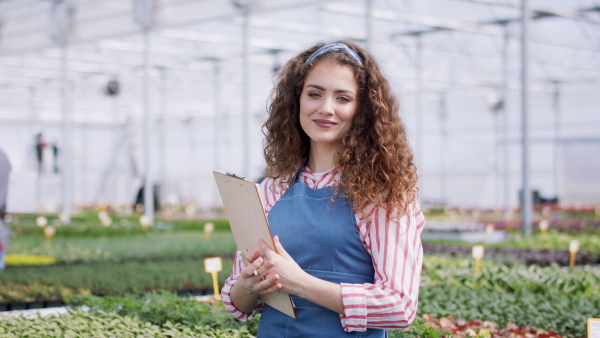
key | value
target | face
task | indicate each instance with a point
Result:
(328, 103)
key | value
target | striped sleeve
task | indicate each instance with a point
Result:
(226, 292)
(269, 193)
(395, 246)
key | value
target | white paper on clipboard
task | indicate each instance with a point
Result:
(249, 224)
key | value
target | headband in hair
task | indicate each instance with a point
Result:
(335, 46)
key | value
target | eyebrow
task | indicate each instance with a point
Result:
(335, 91)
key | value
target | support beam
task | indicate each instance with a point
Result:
(556, 108)
(526, 198)
(147, 139)
(246, 96)
(443, 147)
(505, 128)
(60, 33)
(162, 137)
(419, 107)
(370, 23)
(143, 12)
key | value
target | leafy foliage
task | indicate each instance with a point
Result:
(553, 298)
(140, 247)
(164, 307)
(419, 328)
(114, 279)
(565, 314)
(580, 280)
(87, 224)
(13, 292)
(83, 324)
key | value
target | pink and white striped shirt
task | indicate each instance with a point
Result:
(390, 302)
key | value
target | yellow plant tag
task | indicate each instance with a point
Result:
(593, 328)
(213, 264)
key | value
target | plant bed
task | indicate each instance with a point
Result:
(88, 224)
(15, 306)
(528, 256)
(85, 324)
(485, 329)
(518, 278)
(466, 236)
(151, 308)
(34, 291)
(51, 282)
(193, 292)
(553, 298)
(54, 303)
(36, 304)
(159, 308)
(148, 247)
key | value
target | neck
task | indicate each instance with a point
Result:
(321, 157)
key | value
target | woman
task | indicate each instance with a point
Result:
(340, 197)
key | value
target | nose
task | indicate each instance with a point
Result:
(327, 106)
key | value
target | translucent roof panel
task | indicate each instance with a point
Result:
(447, 59)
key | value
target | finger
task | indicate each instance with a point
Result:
(265, 249)
(279, 247)
(262, 268)
(245, 260)
(252, 268)
(270, 284)
(271, 289)
(255, 254)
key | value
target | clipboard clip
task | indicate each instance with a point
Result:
(234, 175)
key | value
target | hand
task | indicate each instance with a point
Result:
(290, 275)
(258, 283)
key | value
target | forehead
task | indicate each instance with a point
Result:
(332, 74)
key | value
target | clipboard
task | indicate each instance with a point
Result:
(245, 211)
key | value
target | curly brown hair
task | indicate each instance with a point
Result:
(374, 158)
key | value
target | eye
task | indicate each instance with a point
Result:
(344, 98)
(314, 94)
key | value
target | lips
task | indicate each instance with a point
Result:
(324, 123)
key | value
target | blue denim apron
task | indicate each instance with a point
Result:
(323, 239)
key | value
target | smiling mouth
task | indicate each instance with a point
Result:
(324, 123)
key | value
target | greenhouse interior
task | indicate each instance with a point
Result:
(115, 114)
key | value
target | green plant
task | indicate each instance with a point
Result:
(148, 246)
(126, 277)
(552, 240)
(419, 329)
(87, 224)
(16, 292)
(459, 273)
(83, 324)
(163, 307)
(563, 313)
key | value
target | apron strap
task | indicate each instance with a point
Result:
(304, 161)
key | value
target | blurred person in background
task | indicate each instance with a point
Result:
(40, 144)
(341, 199)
